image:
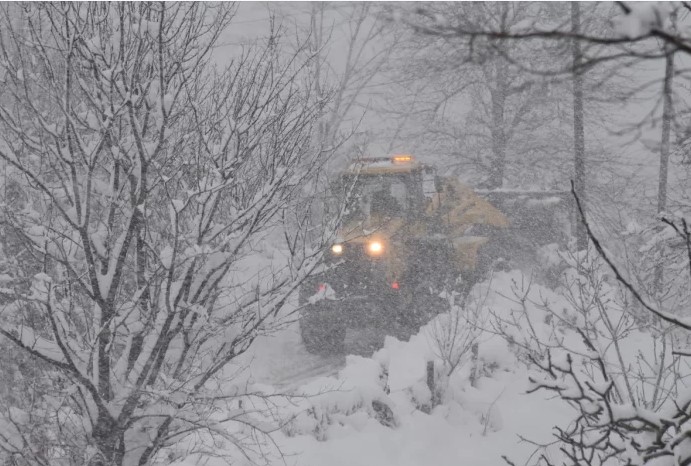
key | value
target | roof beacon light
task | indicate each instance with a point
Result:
(401, 159)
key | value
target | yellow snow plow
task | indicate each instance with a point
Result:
(407, 236)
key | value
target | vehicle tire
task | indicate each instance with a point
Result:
(322, 335)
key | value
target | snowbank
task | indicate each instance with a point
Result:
(379, 410)
(343, 422)
(376, 412)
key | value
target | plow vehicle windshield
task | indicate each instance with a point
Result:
(383, 196)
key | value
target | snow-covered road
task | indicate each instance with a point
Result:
(282, 361)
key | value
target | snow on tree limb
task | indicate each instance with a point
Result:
(157, 179)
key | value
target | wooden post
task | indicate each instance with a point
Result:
(474, 361)
(430, 382)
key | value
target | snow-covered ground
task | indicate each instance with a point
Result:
(281, 360)
(375, 409)
(472, 426)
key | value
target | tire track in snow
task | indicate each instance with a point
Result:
(314, 369)
(310, 366)
(283, 362)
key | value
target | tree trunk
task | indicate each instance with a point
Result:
(578, 131)
(110, 441)
(666, 130)
(496, 179)
(316, 44)
(664, 151)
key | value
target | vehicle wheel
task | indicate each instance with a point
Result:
(322, 335)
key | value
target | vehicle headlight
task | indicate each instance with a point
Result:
(375, 248)
(337, 249)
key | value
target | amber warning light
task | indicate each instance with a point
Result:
(402, 158)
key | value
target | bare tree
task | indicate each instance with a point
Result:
(613, 41)
(367, 47)
(349, 46)
(623, 418)
(475, 104)
(587, 335)
(455, 334)
(158, 186)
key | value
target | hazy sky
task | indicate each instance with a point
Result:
(252, 23)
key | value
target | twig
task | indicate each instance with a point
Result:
(620, 278)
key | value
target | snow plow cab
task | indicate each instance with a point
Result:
(407, 236)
